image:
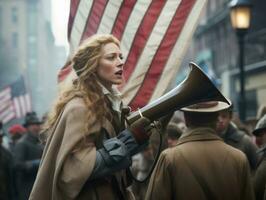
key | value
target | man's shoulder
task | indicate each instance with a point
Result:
(171, 154)
(246, 138)
(234, 152)
(234, 134)
(23, 139)
(22, 144)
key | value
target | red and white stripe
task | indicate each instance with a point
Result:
(22, 105)
(6, 106)
(15, 107)
(154, 36)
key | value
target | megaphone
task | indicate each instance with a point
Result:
(196, 88)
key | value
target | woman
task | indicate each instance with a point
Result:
(86, 150)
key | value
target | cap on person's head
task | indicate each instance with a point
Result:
(260, 127)
(207, 107)
(16, 129)
(31, 119)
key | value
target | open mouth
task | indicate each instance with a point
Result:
(120, 72)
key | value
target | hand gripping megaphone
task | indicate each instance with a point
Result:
(196, 88)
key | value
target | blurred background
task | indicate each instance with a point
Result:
(215, 47)
(33, 49)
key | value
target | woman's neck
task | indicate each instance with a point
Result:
(106, 85)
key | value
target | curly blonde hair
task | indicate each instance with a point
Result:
(85, 63)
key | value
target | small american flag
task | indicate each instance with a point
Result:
(154, 36)
(14, 101)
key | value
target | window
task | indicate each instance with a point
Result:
(14, 14)
(251, 103)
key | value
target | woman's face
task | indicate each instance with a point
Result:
(110, 69)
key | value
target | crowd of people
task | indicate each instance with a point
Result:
(20, 158)
(86, 150)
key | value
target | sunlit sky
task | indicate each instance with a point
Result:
(60, 11)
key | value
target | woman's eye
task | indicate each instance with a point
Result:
(111, 57)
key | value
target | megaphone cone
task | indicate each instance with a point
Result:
(196, 88)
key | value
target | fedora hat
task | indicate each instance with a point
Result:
(30, 119)
(207, 107)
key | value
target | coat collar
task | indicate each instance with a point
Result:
(198, 134)
(114, 96)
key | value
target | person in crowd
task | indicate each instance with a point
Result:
(178, 119)
(16, 131)
(87, 148)
(260, 175)
(6, 176)
(235, 137)
(27, 153)
(201, 166)
(141, 170)
(173, 134)
(143, 162)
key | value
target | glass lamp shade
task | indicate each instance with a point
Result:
(240, 17)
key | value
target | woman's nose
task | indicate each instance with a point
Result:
(120, 61)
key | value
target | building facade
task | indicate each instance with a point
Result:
(27, 44)
(215, 45)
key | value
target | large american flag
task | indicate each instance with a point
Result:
(14, 101)
(154, 36)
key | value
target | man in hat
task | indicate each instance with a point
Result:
(16, 131)
(235, 137)
(201, 166)
(27, 155)
(260, 176)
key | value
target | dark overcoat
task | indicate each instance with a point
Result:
(238, 139)
(27, 149)
(260, 176)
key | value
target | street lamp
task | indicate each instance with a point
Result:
(240, 12)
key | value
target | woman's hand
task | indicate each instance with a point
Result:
(141, 130)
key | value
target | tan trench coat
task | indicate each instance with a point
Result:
(67, 162)
(201, 167)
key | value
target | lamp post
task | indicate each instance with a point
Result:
(240, 12)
